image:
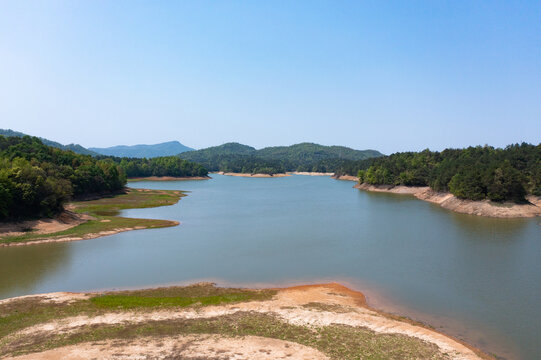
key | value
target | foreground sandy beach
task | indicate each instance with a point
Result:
(327, 321)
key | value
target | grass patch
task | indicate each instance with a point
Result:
(21, 313)
(105, 211)
(327, 307)
(337, 341)
(127, 302)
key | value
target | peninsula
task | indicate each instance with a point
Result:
(327, 321)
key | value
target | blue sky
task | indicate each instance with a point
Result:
(386, 75)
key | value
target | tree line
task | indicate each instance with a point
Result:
(475, 173)
(234, 157)
(37, 180)
(158, 166)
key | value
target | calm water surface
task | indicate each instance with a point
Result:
(476, 278)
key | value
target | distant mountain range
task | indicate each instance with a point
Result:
(169, 148)
(76, 148)
(144, 151)
(230, 156)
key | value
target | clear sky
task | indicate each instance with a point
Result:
(386, 75)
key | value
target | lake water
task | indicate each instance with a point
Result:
(476, 278)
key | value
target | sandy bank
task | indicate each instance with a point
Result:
(169, 178)
(306, 173)
(346, 177)
(253, 175)
(64, 221)
(83, 237)
(90, 219)
(451, 202)
(312, 309)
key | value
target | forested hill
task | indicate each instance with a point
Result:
(169, 148)
(159, 166)
(234, 157)
(305, 153)
(474, 173)
(76, 148)
(36, 179)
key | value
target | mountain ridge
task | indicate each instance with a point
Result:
(76, 148)
(168, 148)
(235, 157)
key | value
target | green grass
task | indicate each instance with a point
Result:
(21, 313)
(337, 341)
(105, 211)
(126, 302)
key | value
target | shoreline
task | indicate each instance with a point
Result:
(91, 219)
(448, 201)
(316, 306)
(168, 178)
(310, 173)
(66, 220)
(253, 175)
(346, 178)
(88, 236)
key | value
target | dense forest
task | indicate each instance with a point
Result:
(158, 166)
(234, 157)
(475, 173)
(36, 179)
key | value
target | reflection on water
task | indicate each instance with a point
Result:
(475, 277)
(22, 267)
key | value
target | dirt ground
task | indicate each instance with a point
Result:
(65, 220)
(451, 202)
(310, 305)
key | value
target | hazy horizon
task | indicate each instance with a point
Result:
(389, 76)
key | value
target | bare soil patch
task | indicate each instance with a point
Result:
(346, 177)
(169, 178)
(309, 322)
(449, 201)
(254, 175)
(306, 173)
(188, 347)
(64, 221)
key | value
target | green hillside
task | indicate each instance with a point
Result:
(234, 157)
(476, 173)
(36, 179)
(76, 148)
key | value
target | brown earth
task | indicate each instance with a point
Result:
(346, 177)
(310, 173)
(449, 201)
(65, 220)
(310, 306)
(85, 236)
(169, 178)
(187, 347)
(253, 175)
